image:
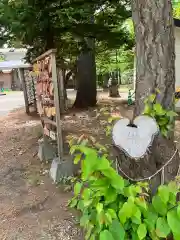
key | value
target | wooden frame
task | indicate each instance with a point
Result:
(57, 104)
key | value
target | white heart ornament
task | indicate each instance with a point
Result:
(135, 140)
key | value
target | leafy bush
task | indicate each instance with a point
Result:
(113, 208)
(163, 117)
(127, 76)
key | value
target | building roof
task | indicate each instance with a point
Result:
(7, 65)
(11, 58)
(14, 50)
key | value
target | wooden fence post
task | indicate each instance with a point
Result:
(22, 79)
(57, 99)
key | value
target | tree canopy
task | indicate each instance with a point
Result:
(65, 25)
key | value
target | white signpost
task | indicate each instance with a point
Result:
(135, 139)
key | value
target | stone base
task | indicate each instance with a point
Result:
(47, 151)
(63, 168)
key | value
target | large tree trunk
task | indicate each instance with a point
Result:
(86, 78)
(155, 68)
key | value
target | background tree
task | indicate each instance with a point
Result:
(41, 25)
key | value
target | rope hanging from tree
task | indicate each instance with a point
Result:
(118, 168)
(134, 140)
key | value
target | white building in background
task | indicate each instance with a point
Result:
(9, 78)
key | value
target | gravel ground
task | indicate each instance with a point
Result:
(31, 207)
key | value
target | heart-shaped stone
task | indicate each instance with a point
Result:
(134, 139)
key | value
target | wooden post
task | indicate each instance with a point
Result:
(22, 79)
(57, 94)
(61, 91)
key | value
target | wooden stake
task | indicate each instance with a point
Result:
(22, 79)
(57, 94)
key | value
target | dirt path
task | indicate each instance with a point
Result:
(31, 206)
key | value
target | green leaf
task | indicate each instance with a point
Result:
(108, 219)
(110, 195)
(126, 211)
(86, 194)
(103, 164)
(122, 217)
(89, 231)
(106, 235)
(116, 181)
(163, 192)
(77, 158)
(173, 221)
(162, 228)
(136, 218)
(173, 188)
(73, 203)
(99, 208)
(171, 114)
(159, 109)
(178, 211)
(87, 203)
(176, 236)
(117, 230)
(163, 121)
(164, 131)
(141, 202)
(147, 109)
(159, 205)
(150, 220)
(84, 220)
(142, 231)
(132, 190)
(112, 213)
(134, 236)
(172, 198)
(89, 165)
(152, 97)
(77, 188)
(80, 205)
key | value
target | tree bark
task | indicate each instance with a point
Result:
(155, 68)
(86, 78)
(114, 89)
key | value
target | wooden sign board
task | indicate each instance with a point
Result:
(134, 140)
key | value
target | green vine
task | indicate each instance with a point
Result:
(113, 208)
(163, 117)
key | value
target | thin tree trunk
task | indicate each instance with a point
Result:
(86, 78)
(155, 68)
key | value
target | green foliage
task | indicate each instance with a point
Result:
(164, 117)
(65, 25)
(113, 59)
(176, 9)
(113, 208)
